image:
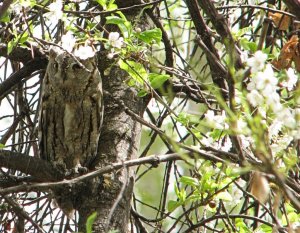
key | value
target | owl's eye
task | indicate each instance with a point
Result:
(76, 67)
(55, 65)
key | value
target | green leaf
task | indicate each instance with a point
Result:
(172, 205)
(89, 223)
(2, 146)
(121, 22)
(24, 37)
(5, 18)
(114, 20)
(182, 196)
(111, 5)
(241, 32)
(176, 189)
(183, 118)
(189, 181)
(157, 80)
(293, 217)
(10, 46)
(241, 226)
(216, 134)
(142, 93)
(102, 3)
(265, 229)
(150, 35)
(248, 45)
(135, 70)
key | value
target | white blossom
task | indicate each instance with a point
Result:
(281, 143)
(275, 127)
(255, 98)
(266, 80)
(55, 11)
(227, 145)
(215, 121)
(68, 41)
(273, 101)
(262, 111)
(84, 52)
(244, 56)
(257, 62)
(292, 79)
(138, 30)
(286, 117)
(110, 55)
(296, 133)
(115, 40)
(263, 89)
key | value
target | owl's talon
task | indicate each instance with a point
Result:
(82, 170)
(77, 170)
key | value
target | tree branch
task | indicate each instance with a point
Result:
(22, 214)
(35, 64)
(223, 30)
(202, 30)
(155, 160)
(38, 168)
(21, 54)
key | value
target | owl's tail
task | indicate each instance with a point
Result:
(65, 203)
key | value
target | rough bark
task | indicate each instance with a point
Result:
(110, 196)
(119, 141)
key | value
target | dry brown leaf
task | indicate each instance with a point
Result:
(296, 58)
(288, 54)
(260, 187)
(281, 21)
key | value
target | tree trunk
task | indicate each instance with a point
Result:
(119, 141)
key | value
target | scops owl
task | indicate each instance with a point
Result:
(71, 114)
(71, 110)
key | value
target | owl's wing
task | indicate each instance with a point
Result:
(43, 122)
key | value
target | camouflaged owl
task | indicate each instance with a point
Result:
(71, 111)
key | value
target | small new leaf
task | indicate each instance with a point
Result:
(107, 5)
(89, 223)
(150, 35)
(135, 70)
(122, 22)
(172, 205)
(189, 181)
(157, 80)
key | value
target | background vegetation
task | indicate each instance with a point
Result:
(219, 148)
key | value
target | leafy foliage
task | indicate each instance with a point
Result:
(220, 83)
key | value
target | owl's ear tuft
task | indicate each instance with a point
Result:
(52, 52)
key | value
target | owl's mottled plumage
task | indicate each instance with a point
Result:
(71, 111)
